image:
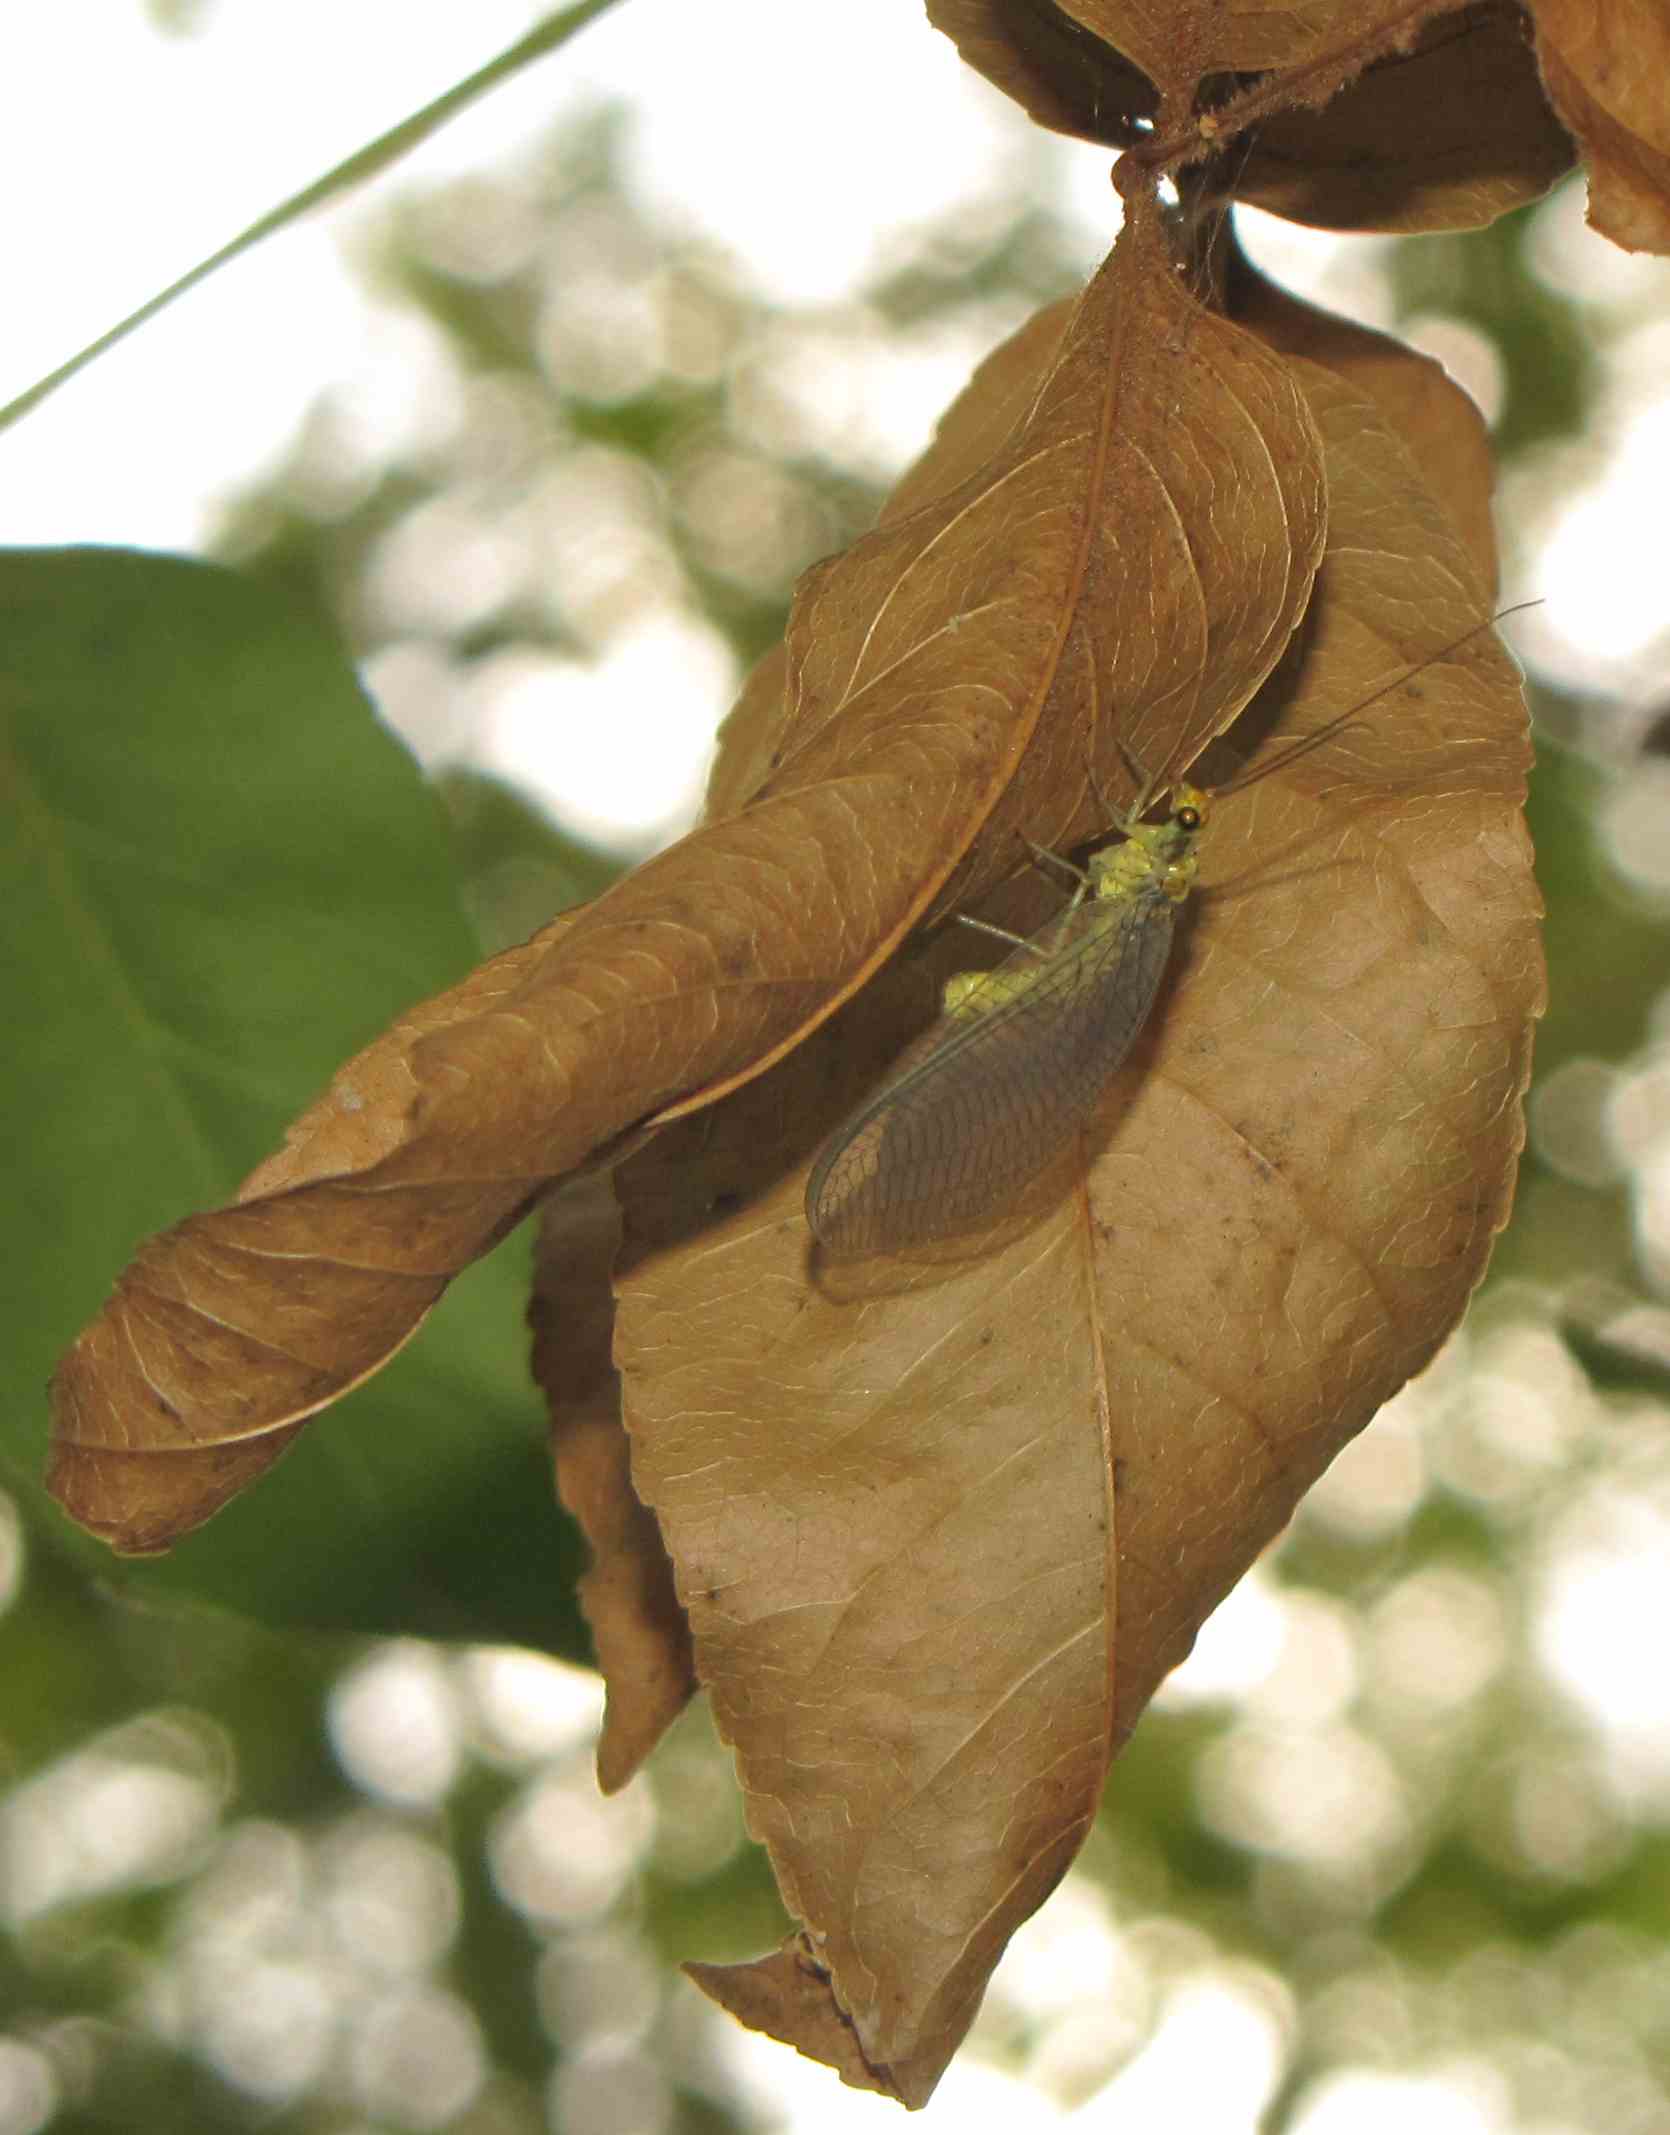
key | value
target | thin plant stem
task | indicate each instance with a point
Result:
(364, 163)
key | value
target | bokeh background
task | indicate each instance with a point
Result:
(546, 422)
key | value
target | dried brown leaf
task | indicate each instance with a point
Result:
(1447, 136)
(1339, 1082)
(639, 1631)
(1605, 63)
(1062, 72)
(1352, 114)
(219, 1340)
(910, 1503)
(786, 1995)
(1177, 44)
(1146, 536)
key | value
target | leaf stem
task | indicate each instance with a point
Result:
(1172, 147)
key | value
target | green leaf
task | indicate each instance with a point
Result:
(221, 876)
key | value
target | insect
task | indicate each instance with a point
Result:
(1021, 1054)
(1019, 1057)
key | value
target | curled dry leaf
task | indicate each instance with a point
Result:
(639, 1631)
(786, 1995)
(940, 674)
(1605, 63)
(941, 1525)
(1178, 44)
(1397, 115)
(1448, 135)
(227, 1331)
(1062, 69)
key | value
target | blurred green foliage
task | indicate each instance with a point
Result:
(206, 939)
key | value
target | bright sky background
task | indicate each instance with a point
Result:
(797, 137)
(168, 146)
(140, 159)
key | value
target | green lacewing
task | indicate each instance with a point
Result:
(1018, 1060)
(1021, 1055)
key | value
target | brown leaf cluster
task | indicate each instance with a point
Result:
(1399, 115)
(930, 1531)
(941, 1527)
